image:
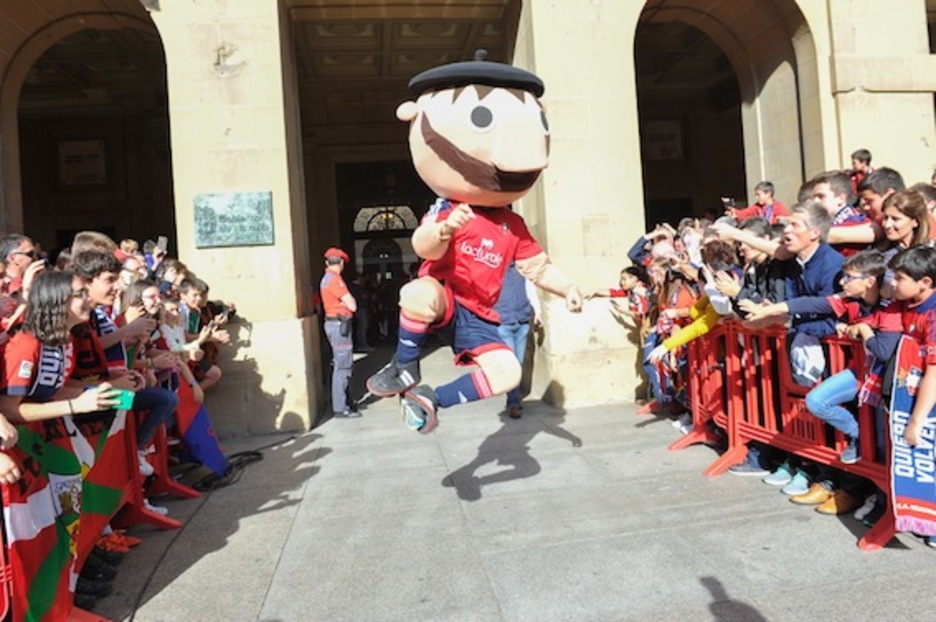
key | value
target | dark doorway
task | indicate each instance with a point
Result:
(690, 122)
(380, 201)
(94, 138)
(379, 206)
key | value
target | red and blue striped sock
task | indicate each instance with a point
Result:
(412, 335)
(469, 388)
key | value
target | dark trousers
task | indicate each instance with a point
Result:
(161, 404)
(342, 361)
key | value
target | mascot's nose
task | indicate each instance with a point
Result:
(520, 146)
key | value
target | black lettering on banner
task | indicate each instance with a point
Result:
(31, 466)
(88, 359)
(92, 428)
(31, 469)
(53, 429)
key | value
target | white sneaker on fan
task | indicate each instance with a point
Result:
(157, 509)
(146, 469)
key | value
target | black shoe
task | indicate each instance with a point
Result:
(394, 379)
(98, 570)
(85, 601)
(108, 557)
(347, 413)
(91, 587)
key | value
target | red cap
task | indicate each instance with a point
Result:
(334, 251)
(120, 255)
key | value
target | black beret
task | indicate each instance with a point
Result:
(478, 71)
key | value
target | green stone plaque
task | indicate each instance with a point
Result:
(233, 219)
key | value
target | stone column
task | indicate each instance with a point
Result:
(588, 207)
(882, 79)
(235, 128)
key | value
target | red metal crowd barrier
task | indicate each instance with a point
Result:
(135, 512)
(706, 388)
(6, 580)
(741, 380)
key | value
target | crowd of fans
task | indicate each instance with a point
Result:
(853, 257)
(98, 326)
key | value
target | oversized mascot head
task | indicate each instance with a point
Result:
(478, 133)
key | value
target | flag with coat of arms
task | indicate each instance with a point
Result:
(54, 514)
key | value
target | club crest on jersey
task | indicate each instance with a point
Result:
(483, 253)
(25, 370)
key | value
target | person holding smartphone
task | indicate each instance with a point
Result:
(196, 318)
(58, 302)
(101, 348)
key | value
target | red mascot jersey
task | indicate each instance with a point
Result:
(479, 254)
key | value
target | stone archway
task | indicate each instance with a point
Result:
(94, 139)
(689, 103)
(770, 73)
(54, 25)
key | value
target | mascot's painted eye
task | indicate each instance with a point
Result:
(482, 117)
(544, 121)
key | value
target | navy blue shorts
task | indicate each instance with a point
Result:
(470, 335)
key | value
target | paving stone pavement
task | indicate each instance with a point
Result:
(581, 515)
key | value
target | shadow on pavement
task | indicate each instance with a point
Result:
(725, 608)
(509, 447)
(209, 522)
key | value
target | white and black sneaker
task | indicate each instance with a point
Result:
(146, 468)
(420, 409)
(156, 509)
(394, 379)
(866, 509)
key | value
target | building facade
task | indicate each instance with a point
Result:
(139, 117)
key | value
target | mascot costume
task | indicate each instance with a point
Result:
(479, 139)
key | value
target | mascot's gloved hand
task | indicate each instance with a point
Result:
(573, 300)
(457, 218)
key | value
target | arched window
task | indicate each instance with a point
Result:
(385, 218)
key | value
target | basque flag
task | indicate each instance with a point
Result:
(196, 432)
(40, 516)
